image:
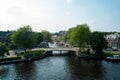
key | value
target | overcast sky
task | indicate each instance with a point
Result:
(56, 15)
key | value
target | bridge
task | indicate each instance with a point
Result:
(60, 49)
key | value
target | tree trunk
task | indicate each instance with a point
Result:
(25, 50)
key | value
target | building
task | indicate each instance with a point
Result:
(113, 40)
(58, 36)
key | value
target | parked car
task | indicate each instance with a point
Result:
(114, 49)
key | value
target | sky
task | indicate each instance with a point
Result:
(56, 15)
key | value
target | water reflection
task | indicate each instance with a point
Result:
(25, 71)
(86, 69)
(61, 68)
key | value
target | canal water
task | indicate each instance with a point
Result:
(61, 68)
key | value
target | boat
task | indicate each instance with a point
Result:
(113, 58)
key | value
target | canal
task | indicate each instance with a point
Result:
(61, 68)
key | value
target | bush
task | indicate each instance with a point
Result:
(9, 59)
(33, 54)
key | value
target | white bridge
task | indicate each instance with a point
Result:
(76, 50)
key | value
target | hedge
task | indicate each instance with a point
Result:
(33, 54)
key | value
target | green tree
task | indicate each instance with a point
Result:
(3, 36)
(78, 36)
(25, 37)
(46, 35)
(3, 49)
(40, 37)
(98, 42)
(81, 35)
(68, 37)
(8, 39)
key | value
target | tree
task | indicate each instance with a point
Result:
(4, 36)
(78, 36)
(98, 42)
(40, 37)
(81, 35)
(25, 37)
(46, 35)
(68, 37)
(3, 49)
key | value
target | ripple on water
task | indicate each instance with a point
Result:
(61, 68)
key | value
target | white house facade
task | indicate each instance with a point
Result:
(113, 40)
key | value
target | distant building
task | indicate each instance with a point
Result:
(58, 36)
(61, 33)
(113, 40)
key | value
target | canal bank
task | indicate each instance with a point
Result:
(108, 56)
(30, 59)
(24, 60)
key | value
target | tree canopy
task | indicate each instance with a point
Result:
(25, 37)
(81, 34)
(46, 35)
(98, 42)
(78, 36)
(68, 36)
(3, 48)
(39, 37)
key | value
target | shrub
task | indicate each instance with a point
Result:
(32, 54)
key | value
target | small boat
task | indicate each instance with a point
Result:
(113, 58)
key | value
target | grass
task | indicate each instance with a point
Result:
(110, 53)
(10, 58)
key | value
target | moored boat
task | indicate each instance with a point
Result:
(113, 58)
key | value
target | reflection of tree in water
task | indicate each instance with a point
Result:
(86, 69)
(25, 71)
